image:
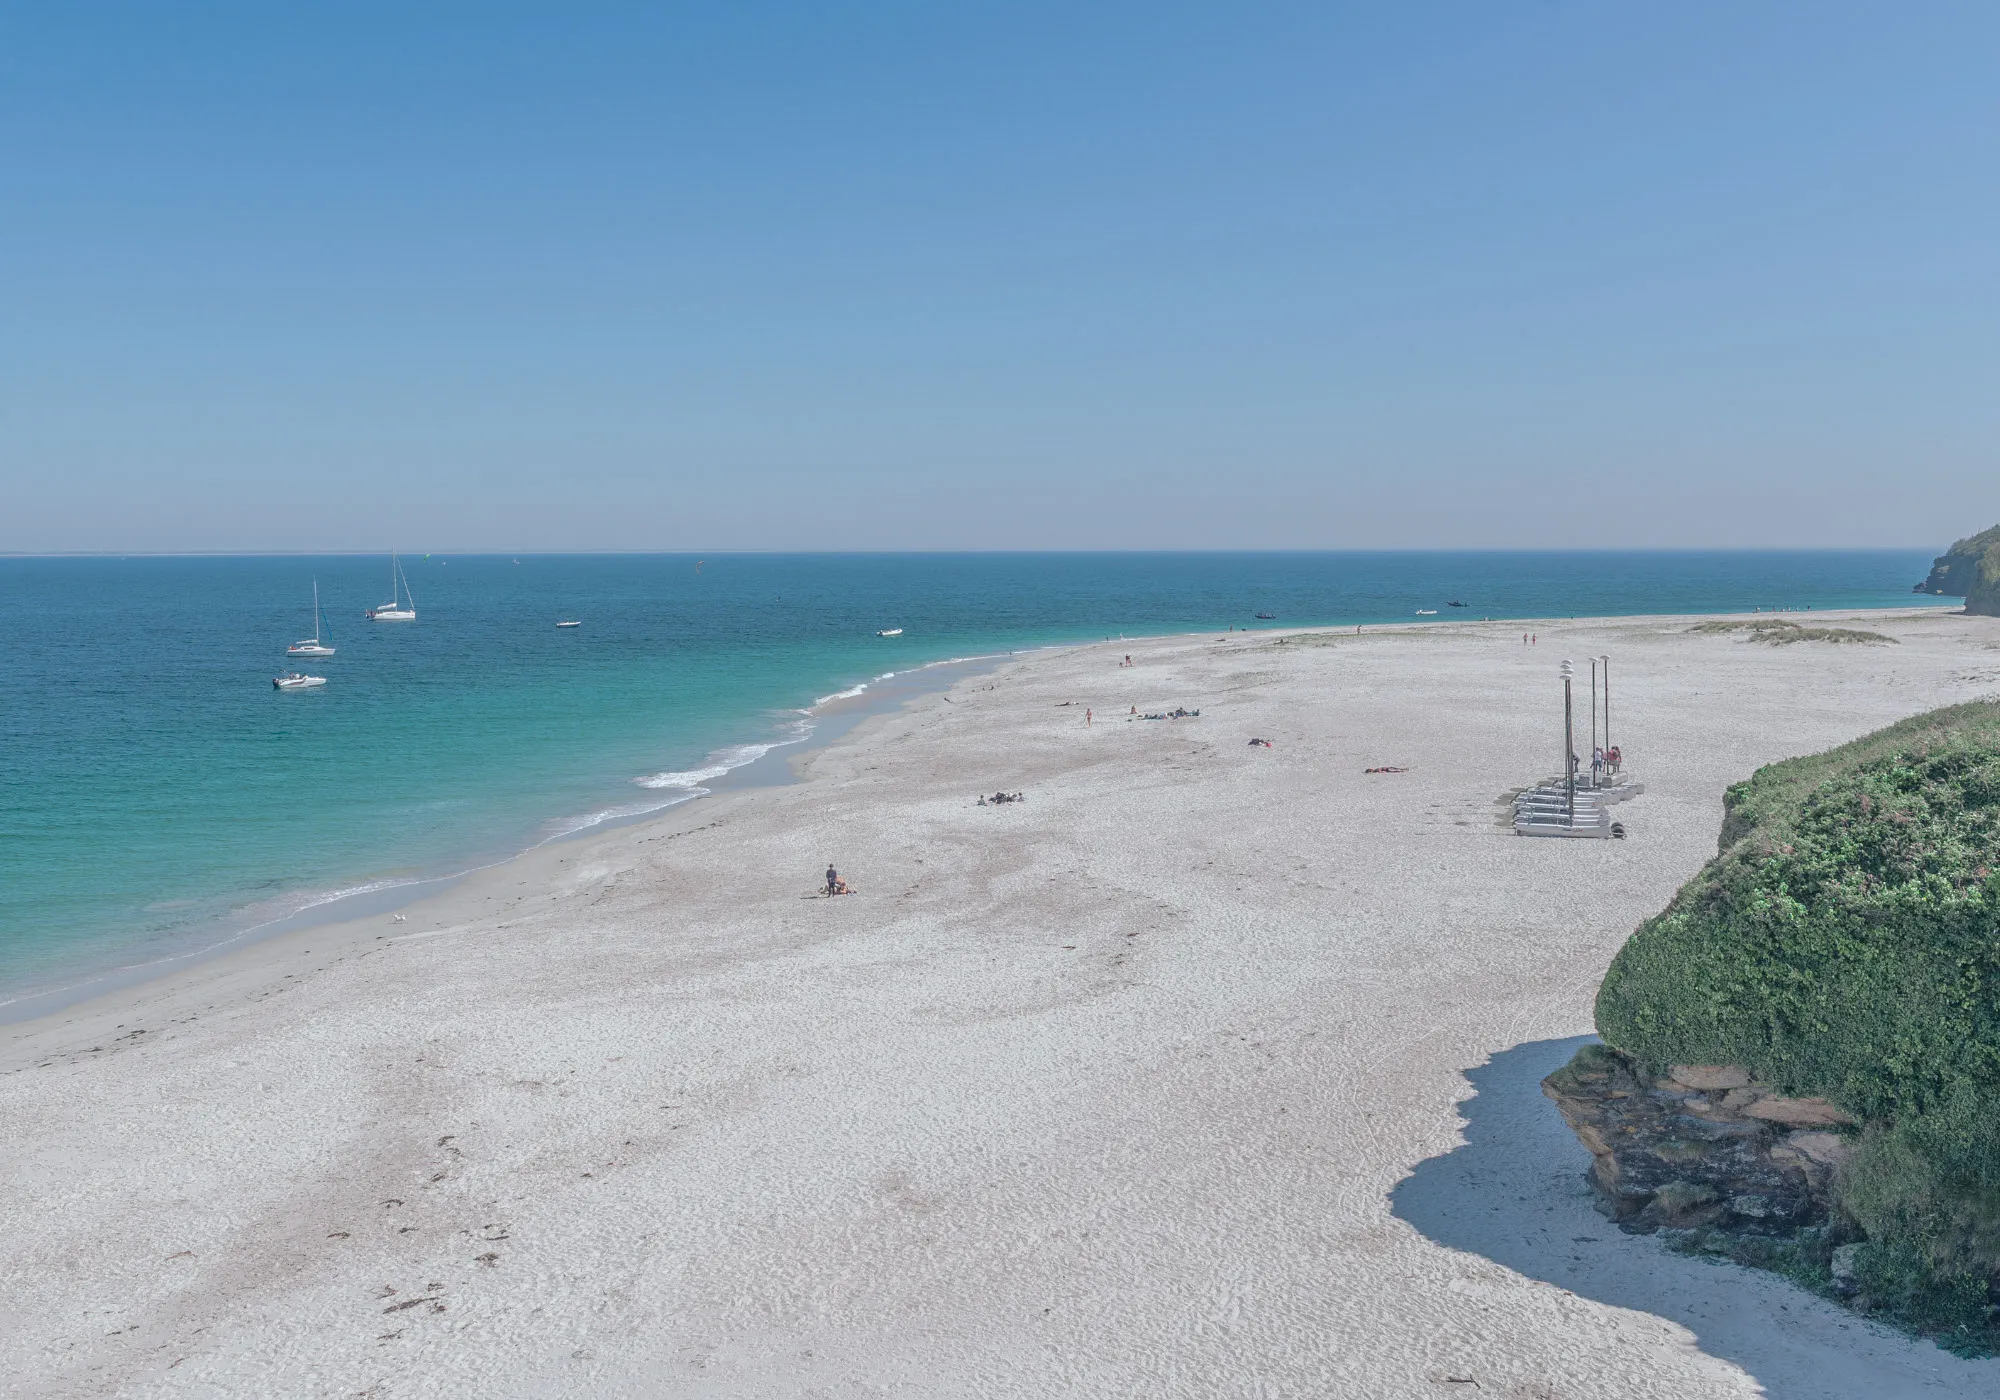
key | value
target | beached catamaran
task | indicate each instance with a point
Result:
(311, 646)
(394, 610)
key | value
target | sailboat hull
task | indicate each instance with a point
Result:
(393, 615)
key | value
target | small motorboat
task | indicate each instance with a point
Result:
(1267, 617)
(1454, 603)
(1427, 612)
(297, 680)
(576, 623)
(891, 632)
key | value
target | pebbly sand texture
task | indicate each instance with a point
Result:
(1208, 1070)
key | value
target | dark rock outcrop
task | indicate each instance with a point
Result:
(1970, 570)
(1702, 1146)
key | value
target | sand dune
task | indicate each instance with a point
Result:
(1207, 1070)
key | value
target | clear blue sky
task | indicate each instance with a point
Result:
(998, 276)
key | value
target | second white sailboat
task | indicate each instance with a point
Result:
(311, 646)
(399, 589)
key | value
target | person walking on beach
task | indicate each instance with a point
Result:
(1086, 718)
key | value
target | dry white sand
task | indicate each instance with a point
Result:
(1209, 1070)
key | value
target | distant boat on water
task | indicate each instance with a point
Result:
(399, 589)
(577, 623)
(891, 632)
(1427, 612)
(1454, 603)
(311, 646)
(1267, 617)
(296, 680)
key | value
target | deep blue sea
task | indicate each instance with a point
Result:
(156, 793)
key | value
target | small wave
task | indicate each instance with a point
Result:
(725, 760)
(349, 891)
(847, 694)
(693, 777)
(572, 825)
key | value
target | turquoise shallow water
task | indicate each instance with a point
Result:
(156, 791)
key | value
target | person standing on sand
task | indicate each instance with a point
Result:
(832, 879)
(1086, 718)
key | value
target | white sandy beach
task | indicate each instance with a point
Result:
(1208, 1070)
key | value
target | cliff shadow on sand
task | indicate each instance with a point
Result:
(1515, 1192)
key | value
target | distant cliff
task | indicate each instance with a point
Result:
(1970, 570)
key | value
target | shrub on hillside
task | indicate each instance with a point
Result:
(1845, 943)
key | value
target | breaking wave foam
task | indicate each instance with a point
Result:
(724, 761)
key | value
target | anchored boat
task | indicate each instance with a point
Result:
(399, 589)
(311, 646)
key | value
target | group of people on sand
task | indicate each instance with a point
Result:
(1529, 639)
(834, 884)
(999, 797)
(1604, 761)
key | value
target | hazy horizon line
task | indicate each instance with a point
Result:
(941, 553)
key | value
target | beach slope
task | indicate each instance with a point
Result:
(1208, 1069)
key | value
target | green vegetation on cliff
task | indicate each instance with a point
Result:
(1970, 570)
(1845, 943)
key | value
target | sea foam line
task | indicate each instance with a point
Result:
(726, 760)
(687, 786)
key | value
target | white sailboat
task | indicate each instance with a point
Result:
(311, 646)
(394, 610)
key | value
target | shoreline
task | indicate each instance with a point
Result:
(827, 719)
(841, 714)
(163, 923)
(1209, 1064)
